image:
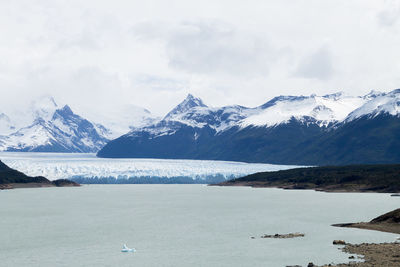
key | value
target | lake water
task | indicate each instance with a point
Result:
(87, 168)
(180, 225)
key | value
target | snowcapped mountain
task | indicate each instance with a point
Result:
(19, 117)
(46, 126)
(192, 112)
(284, 130)
(379, 103)
(187, 104)
(58, 130)
(321, 110)
(304, 130)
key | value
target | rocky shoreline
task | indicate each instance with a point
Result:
(56, 183)
(388, 222)
(383, 254)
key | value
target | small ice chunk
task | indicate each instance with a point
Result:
(126, 249)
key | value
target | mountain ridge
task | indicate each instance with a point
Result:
(303, 130)
(45, 126)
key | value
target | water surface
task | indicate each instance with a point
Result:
(180, 225)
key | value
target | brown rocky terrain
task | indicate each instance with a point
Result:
(384, 254)
(388, 222)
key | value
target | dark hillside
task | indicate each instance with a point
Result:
(377, 178)
(10, 178)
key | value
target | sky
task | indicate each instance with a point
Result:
(98, 55)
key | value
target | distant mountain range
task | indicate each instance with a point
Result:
(46, 127)
(304, 130)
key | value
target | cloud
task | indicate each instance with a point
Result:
(211, 47)
(84, 87)
(94, 53)
(159, 83)
(318, 65)
(390, 14)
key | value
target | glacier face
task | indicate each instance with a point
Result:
(86, 166)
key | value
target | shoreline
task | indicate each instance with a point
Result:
(351, 178)
(24, 185)
(375, 254)
(388, 222)
(381, 254)
(328, 189)
(56, 183)
(381, 227)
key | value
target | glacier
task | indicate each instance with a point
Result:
(87, 168)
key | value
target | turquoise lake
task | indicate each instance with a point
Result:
(181, 225)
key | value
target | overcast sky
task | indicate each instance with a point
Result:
(96, 53)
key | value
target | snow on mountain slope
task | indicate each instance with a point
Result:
(381, 103)
(29, 137)
(19, 117)
(323, 110)
(192, 112)
(289, 129)
(187, 104)
(48, 128)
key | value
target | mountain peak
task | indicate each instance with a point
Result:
(373, 94)
(193, 101)
(395, 92)
(67, 110)
(189, 102)
(277, 99)
(336, 95)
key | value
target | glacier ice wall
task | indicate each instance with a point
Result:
(87, 168)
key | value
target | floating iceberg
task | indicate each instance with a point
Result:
(126, 249)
